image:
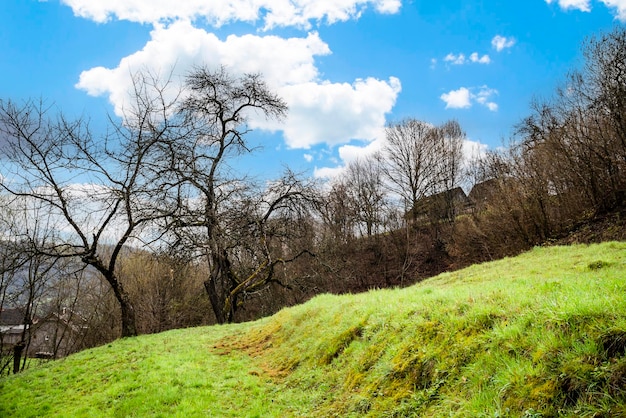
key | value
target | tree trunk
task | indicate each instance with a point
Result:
(218, 287)
(17, 356)
(214, 298)
(129, 325)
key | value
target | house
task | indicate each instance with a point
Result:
(483, 192)
(54, 335)
(58, 334)
(12, 327)
(440, 206)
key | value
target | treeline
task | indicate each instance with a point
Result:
(149, 228)
(566, 165)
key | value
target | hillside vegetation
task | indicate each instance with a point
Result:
(541, 334)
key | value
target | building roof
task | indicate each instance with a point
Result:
(484, 190)
(455, 195)
(11, 316)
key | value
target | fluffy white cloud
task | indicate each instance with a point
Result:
(334, 113)
(319, 112)
(455, 59)
(352, 152)
(464, 98)
(582, 5)
(272, 12)
(461, 59)
(484, 97)
(619, 6)
(328, 172)
(501, 43)
(473, 149)
(457, 99)
(480, 60)
(492, 106)
(180, 45)
(585, 6)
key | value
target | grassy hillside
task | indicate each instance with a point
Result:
(542, 334)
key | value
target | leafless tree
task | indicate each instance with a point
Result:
(98, 192)
(449, 161)
(577, 140)
(25, 276)
(409, 160)
(421, 159)
(337, 215)
(367, 194)
(221, 215)
(449, 145)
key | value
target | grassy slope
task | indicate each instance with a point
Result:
(543, 334)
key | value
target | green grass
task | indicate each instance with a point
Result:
(542, 334)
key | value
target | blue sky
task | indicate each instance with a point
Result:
(346, 68)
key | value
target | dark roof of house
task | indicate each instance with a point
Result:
(12, 316)
(484, 190)
(456, 195)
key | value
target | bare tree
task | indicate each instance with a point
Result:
(409, 160)
(337, 215)
(449, 145)
(421, 159)
(449, 162)
(25, 277)
(98, 193)
(220, 215)
(366, 191)
(576, 142)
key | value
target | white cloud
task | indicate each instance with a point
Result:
(461, 59)
(585, 6)
(335, 113)
(455, 59)
(619, 5)
(349, 153)
(180, 45)
(319, 111)
(484, 96)
(328, 172)
(480, 60)
(308, 157)
(272, 13)
(473, 149)
(457, 99)
(464, 98)
(582, 5)
(501, 43)
(492, 106)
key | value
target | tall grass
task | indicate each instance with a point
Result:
(542, 334)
